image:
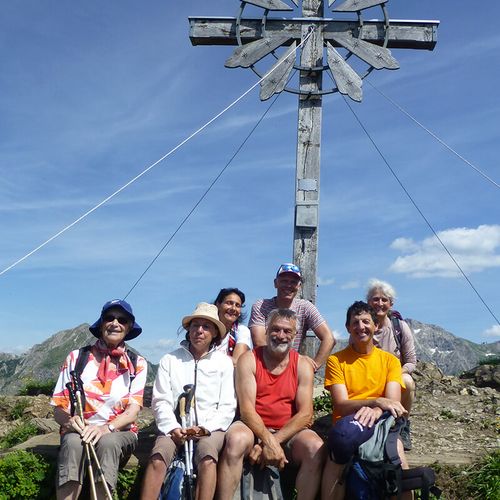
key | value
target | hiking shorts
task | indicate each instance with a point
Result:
(208, 446)
(111, 450)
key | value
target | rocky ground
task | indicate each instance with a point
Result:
(454, 421)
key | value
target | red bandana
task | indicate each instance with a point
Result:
(119, 354)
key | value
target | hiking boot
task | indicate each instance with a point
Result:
(406, 436)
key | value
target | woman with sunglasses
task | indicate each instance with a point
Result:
(237, 338)
(112, 379)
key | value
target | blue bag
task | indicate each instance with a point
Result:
(173, 485)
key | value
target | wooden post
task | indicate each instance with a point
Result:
(305, 245)
(370, 44)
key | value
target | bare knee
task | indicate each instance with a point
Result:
(238, 442)
(157, 465)
(308, 447)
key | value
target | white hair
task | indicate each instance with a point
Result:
(383, 286)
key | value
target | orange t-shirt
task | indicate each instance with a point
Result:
(364, 375)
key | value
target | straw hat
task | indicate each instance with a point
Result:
(205, 311)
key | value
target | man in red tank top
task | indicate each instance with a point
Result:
(274, 385)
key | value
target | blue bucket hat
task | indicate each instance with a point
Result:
(136, 330)
(345, 437)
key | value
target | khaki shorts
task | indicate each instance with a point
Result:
(209, 446)
(111, 449)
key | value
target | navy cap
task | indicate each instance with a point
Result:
(289, 268)
(135, 331)
(345, 437)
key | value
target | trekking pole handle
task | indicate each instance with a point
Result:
(182, 406)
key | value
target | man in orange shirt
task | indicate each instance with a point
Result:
(364, 381)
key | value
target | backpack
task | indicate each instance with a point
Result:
(81, 362)
(375, 473)
(173, 485)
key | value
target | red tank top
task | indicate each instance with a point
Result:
(275, 401)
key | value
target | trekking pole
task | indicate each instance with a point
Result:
(190, 392)
(76, 404)
(89, 447)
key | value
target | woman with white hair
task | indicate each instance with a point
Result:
(395, 336)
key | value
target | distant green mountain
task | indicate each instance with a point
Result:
(43, 361)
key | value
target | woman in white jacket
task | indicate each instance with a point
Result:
(196, 362)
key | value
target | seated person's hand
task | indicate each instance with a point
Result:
(255, 454)
(74, 424)
(273, 454)
(395, 407)
(196, 432)
(367, 416)
(92, 433)
(178, 436)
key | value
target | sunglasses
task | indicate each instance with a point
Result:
(109, 318)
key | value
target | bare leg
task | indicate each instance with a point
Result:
(331, 489)
(153, 478)
(207, 479)
(309, 453)
(69, 491)
(238, 443)
(408, 395)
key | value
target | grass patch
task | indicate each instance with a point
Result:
(26, 475)
(323, 403)
(18, 409)
(36, 387)
(19, 434)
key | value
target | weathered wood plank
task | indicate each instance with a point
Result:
(347, 80)
(305, 247)
(252, 52)
(378, 57)
(355, 5)
(278, 74)
(270, 4)
(403, 34)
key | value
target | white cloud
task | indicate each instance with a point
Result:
(475, 249)
(350, 285)
(325, 281)
(494, 331)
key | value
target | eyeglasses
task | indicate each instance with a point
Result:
(109, 318)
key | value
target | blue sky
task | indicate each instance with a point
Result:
(91, 93)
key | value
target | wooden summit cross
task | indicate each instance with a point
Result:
(368, 41)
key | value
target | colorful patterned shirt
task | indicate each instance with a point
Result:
(104, 402)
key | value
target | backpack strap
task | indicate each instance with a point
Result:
(81, 362)
(133, 358)
(396, 318)
(391, 443)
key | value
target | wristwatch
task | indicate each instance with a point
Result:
(111, 428)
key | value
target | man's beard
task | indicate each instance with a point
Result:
(279, 347)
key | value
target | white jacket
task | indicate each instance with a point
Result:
(215, 400)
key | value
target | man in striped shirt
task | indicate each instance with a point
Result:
(287, 283)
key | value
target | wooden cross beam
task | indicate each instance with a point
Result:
(370, 41)
(222, 31)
